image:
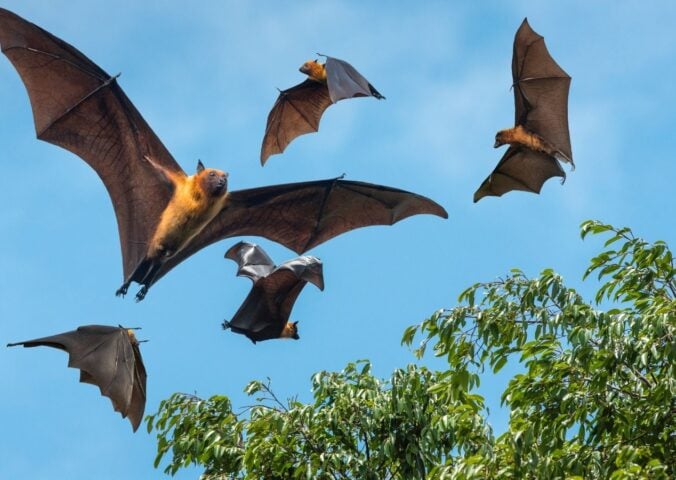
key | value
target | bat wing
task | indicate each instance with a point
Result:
(78, 106)
(344, 81)
(519, 169)
(540, 91)
(296, 112)
(256, 318)
(107, 358)
(306, 268)
(251, 259)
(303, 215)
(303, 270)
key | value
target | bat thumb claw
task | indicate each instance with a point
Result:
(225, 325)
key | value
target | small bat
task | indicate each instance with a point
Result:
(164, 215)
(540, 138)
(108, 357)
(299, 109)
(265, 312)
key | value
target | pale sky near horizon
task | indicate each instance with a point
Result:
(205, 76)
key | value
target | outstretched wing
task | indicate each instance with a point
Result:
(252, 261)
(303, 215)
(519, 169)
(344, 81)
(78, 106)
(303, 270)
(107, 358)
(296, 112)
(306, 268)
(540, 90)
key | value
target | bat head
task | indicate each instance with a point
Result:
(214, 182)
(501, 138)
(314, 70)
(290, 331)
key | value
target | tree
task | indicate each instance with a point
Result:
(594, 396)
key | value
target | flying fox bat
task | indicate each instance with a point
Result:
(299, 109)
(265, 312)
(540, 138)
(164, 215)
(108, 357)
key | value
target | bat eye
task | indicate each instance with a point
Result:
(212, 174)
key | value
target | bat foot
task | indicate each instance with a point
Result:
(225, 325)
(141, 294)
(122, 291)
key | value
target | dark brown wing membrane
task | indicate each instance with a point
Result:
(344, 81)
(78, 106)
(540, 90)
(267, 308)
(519, 169)
(306, 268)
(107, 358)
(303, 215)
(260, 316)
(296, 112)
(252, 261)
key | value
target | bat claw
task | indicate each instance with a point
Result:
(122, 291)
(141, 294)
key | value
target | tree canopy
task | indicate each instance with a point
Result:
(592, 395)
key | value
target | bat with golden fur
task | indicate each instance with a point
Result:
(163, 214)
(265, 312)
(108, 357)
(540, 137)
(299, 109)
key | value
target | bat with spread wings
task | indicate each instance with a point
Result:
(108, 357)
(265, 312)
(299, 109)
(164, 215)
(540, 138)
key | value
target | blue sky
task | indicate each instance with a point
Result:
(205, 76)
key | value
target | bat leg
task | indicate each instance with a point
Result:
(137, 275)
(148, 279)
(143, 274)
(141, 294)
(122, 291)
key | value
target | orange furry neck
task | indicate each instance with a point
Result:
(132, 337)
(520, 136)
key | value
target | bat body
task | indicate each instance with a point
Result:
(108, 357)
(194, 203)
(164, 215)
(299, 109)
(265, 312)
(540, 138)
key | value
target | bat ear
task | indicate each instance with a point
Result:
(200, 166)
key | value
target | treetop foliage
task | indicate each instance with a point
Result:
(592, 394)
